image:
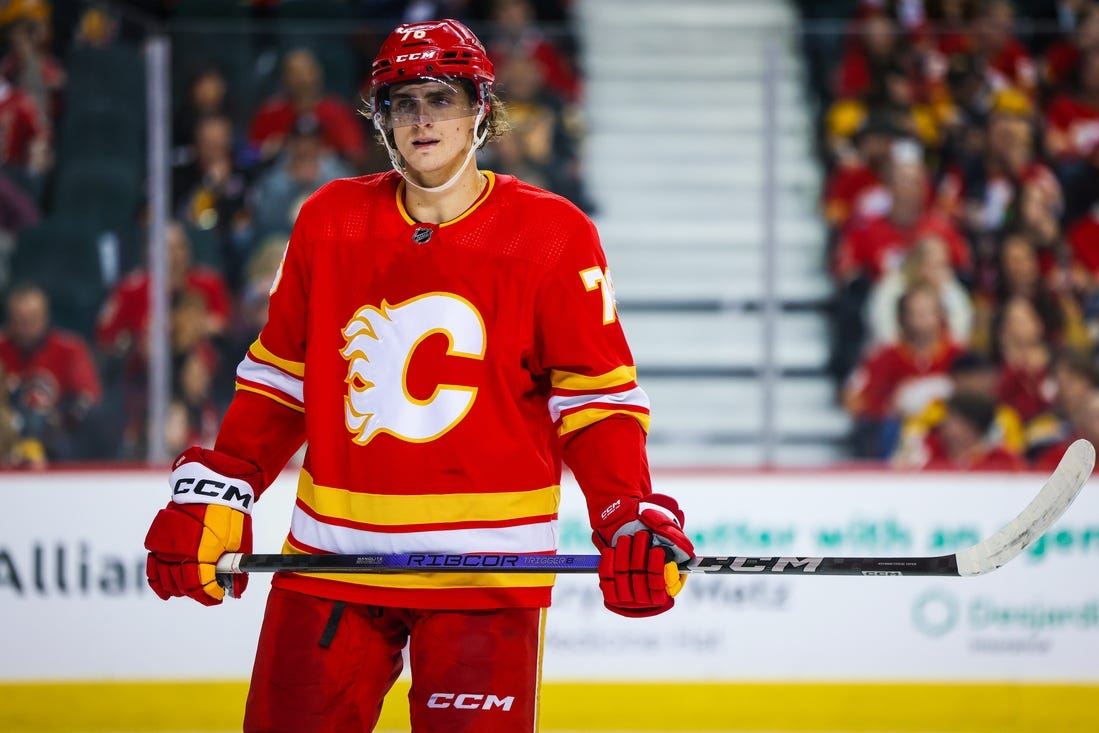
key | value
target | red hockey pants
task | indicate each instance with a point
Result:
(324, 667)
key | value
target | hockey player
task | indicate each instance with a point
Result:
(443, 338)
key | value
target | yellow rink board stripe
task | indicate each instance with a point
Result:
(114, 707)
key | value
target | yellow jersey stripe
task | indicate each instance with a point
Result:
(402, 510)
(582, 383)
(270, 396)
(584, 418)
(260, 351)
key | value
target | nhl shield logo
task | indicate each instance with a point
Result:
(421, 235)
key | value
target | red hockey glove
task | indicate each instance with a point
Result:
(209, 515)
(641, 542)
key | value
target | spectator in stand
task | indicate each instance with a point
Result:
(1075, 376)
(29, 63)
(1019, 275)
(927, 264)
(1005, 59)
(193, 415)
(893, 96)
(50, 374)
(303, 93)
(1072, 121)
(207, 96)
(979, 190)
(252, 304)
(211, 194)
(1038, 210)
(962, 102)
(970, 374)
(189, 328)
(1083, 242)
(305, 165)
(194, 372)
(516, 35)
(874, 247)
(542, 148)
(192, 411)
(1084, 420)
(963, 442)
(263, 268)
(26, 154)
(867, 250)
(873, 48)
(902, 378)
(12, 445)
(855, 187)
(948, 32)
(1082, 187)
(1022, 348)
(1063, 58)
(124, 318)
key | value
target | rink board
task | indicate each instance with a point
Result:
(1012, 651)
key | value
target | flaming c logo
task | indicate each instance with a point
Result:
(379, 345)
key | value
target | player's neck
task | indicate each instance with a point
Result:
(436, 207)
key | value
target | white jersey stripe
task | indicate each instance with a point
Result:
(538, 537)
(253, 371)
(559, 404)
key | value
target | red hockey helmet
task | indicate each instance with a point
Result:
(436, 49)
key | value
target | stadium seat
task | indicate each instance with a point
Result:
(205, 246)
(115, 74)
(220, 9)
(332, 10)
(62, 256)
(102, 130)
(102, 193)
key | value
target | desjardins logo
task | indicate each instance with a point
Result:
(937, 613)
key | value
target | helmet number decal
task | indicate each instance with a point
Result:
(414, 34)
(600, 278)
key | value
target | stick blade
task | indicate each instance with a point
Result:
(1059, 491)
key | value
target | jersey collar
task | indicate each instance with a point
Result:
(473, 207)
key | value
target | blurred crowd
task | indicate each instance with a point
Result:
(960, 140)
(961, 144)
(265, 109)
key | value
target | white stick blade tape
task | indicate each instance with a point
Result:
(1051, 502)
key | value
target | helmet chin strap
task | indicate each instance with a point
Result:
(400, 167)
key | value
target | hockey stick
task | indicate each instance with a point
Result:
(993, 552)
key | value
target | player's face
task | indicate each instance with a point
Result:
(432, 123)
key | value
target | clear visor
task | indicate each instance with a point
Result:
(425, 101)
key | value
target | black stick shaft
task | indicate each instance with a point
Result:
(944, 565)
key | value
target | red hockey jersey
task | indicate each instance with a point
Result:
(439, 370)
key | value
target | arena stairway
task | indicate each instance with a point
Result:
(674, 155)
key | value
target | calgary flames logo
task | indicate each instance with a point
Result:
(380, 343)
